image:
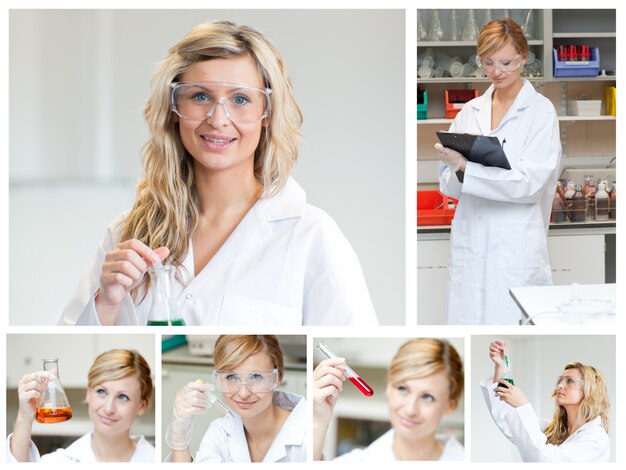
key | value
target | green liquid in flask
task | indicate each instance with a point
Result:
(508, 380)
(176, 322)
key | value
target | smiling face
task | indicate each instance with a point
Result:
(244, 402)
(569, 388)
(114, 405)
(504, 67)
(416, 406)
(217, 143)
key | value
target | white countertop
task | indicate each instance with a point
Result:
(589, 304)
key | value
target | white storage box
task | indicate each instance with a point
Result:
(584, 107)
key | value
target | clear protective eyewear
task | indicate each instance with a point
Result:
(504, 64)
(231, 381)
(569, 383)
(197, 101)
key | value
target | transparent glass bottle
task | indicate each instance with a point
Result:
(578, 208)
(470, 30)
(53, 406)
(453, 29)
(613, 194)
(436, 31)
(603, 203)
(164, 311)
(558, 208)
(529, 25)
(422, 34)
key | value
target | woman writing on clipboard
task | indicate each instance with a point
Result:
(499, 232)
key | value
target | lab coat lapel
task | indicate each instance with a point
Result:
(80, 450)
(482, 107)
(237, 443)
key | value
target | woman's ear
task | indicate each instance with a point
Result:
(142, 408)
(452, 404)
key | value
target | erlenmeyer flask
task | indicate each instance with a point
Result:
(470, 31)
(436, 32)
(487, 17)
(53, 406)
(164, 311)
(422, 34)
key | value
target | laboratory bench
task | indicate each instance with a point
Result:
(580, 253)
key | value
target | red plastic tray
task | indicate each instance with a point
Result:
(433, 208)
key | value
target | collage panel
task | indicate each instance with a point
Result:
(234, 398)
(543, 398)
(385, 399)
(251, 169)
(516, 166)
(80, 398)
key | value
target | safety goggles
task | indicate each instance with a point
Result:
(569, 383)
(504, 64)
(231, 381)
(198, 101)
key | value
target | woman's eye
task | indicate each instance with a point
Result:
(570, 381)
(256, 377)
(124, 397)
(402, 389)
(240, 100)
(429, 398)
(100, 392)
(232, 378)
(200, 98)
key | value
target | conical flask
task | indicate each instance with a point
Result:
(436, 31)
(422, 34)
(453, 33)
(470, 30)
(164, 311)
(53, 406)
(529, 25)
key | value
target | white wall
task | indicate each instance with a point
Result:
(536, 363)
(78, 83)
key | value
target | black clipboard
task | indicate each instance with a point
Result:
(482, 149)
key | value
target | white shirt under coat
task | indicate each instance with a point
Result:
(589, 443)
(499, 231)
(381, 450)
(81, 451)
(286, 263)
(225, 439)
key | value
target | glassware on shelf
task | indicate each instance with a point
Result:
(559, 211)
(487, 16)
(54, 406)
(470, 31)
(436, 31)
(453, 30)
(506, 13)
(422, 34)
(578, 206)
(613, 195)
(164, 310)
(529, 25)
(603, 202)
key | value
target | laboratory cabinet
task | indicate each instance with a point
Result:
(587, 140)
(577, 255)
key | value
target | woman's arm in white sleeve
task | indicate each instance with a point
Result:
(449, 183)
(497, 408)
(537, 155)
(81, 309)
(32, 454)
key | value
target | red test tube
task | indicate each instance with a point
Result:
(352, 376)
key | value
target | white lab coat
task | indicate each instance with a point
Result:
(381, 450)
(81, 451)
(286, 263)
(499, 231)
(225, 440)
(589, 443)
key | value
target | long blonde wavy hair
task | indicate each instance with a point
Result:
(595, 403)
(166, 210)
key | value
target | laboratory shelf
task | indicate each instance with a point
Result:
(426, 81)
(584, 35)
(587, 118)
(532, 42)
(426, 122)
(599, 78)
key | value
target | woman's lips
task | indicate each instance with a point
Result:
(244, 405)
(106, 420)
(216, 142)
(409, 423)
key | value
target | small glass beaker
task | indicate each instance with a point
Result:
(53, 406)
(164, 311)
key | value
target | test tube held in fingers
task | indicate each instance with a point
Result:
(352, 376)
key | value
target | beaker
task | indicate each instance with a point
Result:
(164, 311)
(53, 406)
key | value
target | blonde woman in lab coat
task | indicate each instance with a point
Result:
(424, 383)
(119, 388)
(266, 426)
(578, 431)
(499, 232)
(219, 204)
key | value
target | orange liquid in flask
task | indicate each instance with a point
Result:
(53, 415)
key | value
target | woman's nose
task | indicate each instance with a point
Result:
(244, 391)
(109, 406)
(411, 407)
(218, 116)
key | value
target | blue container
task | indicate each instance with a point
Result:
(588, 68)
(422, 104)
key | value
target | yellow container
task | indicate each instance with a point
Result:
(610, 93)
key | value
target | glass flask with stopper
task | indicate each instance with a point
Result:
(164, 310)
(53, 406)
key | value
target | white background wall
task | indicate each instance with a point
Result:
(78, 83)
(536, 362)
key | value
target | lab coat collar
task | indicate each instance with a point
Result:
(482, 105)
(292, 432)
(595, 422)
(288, 203)
(81, 451)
